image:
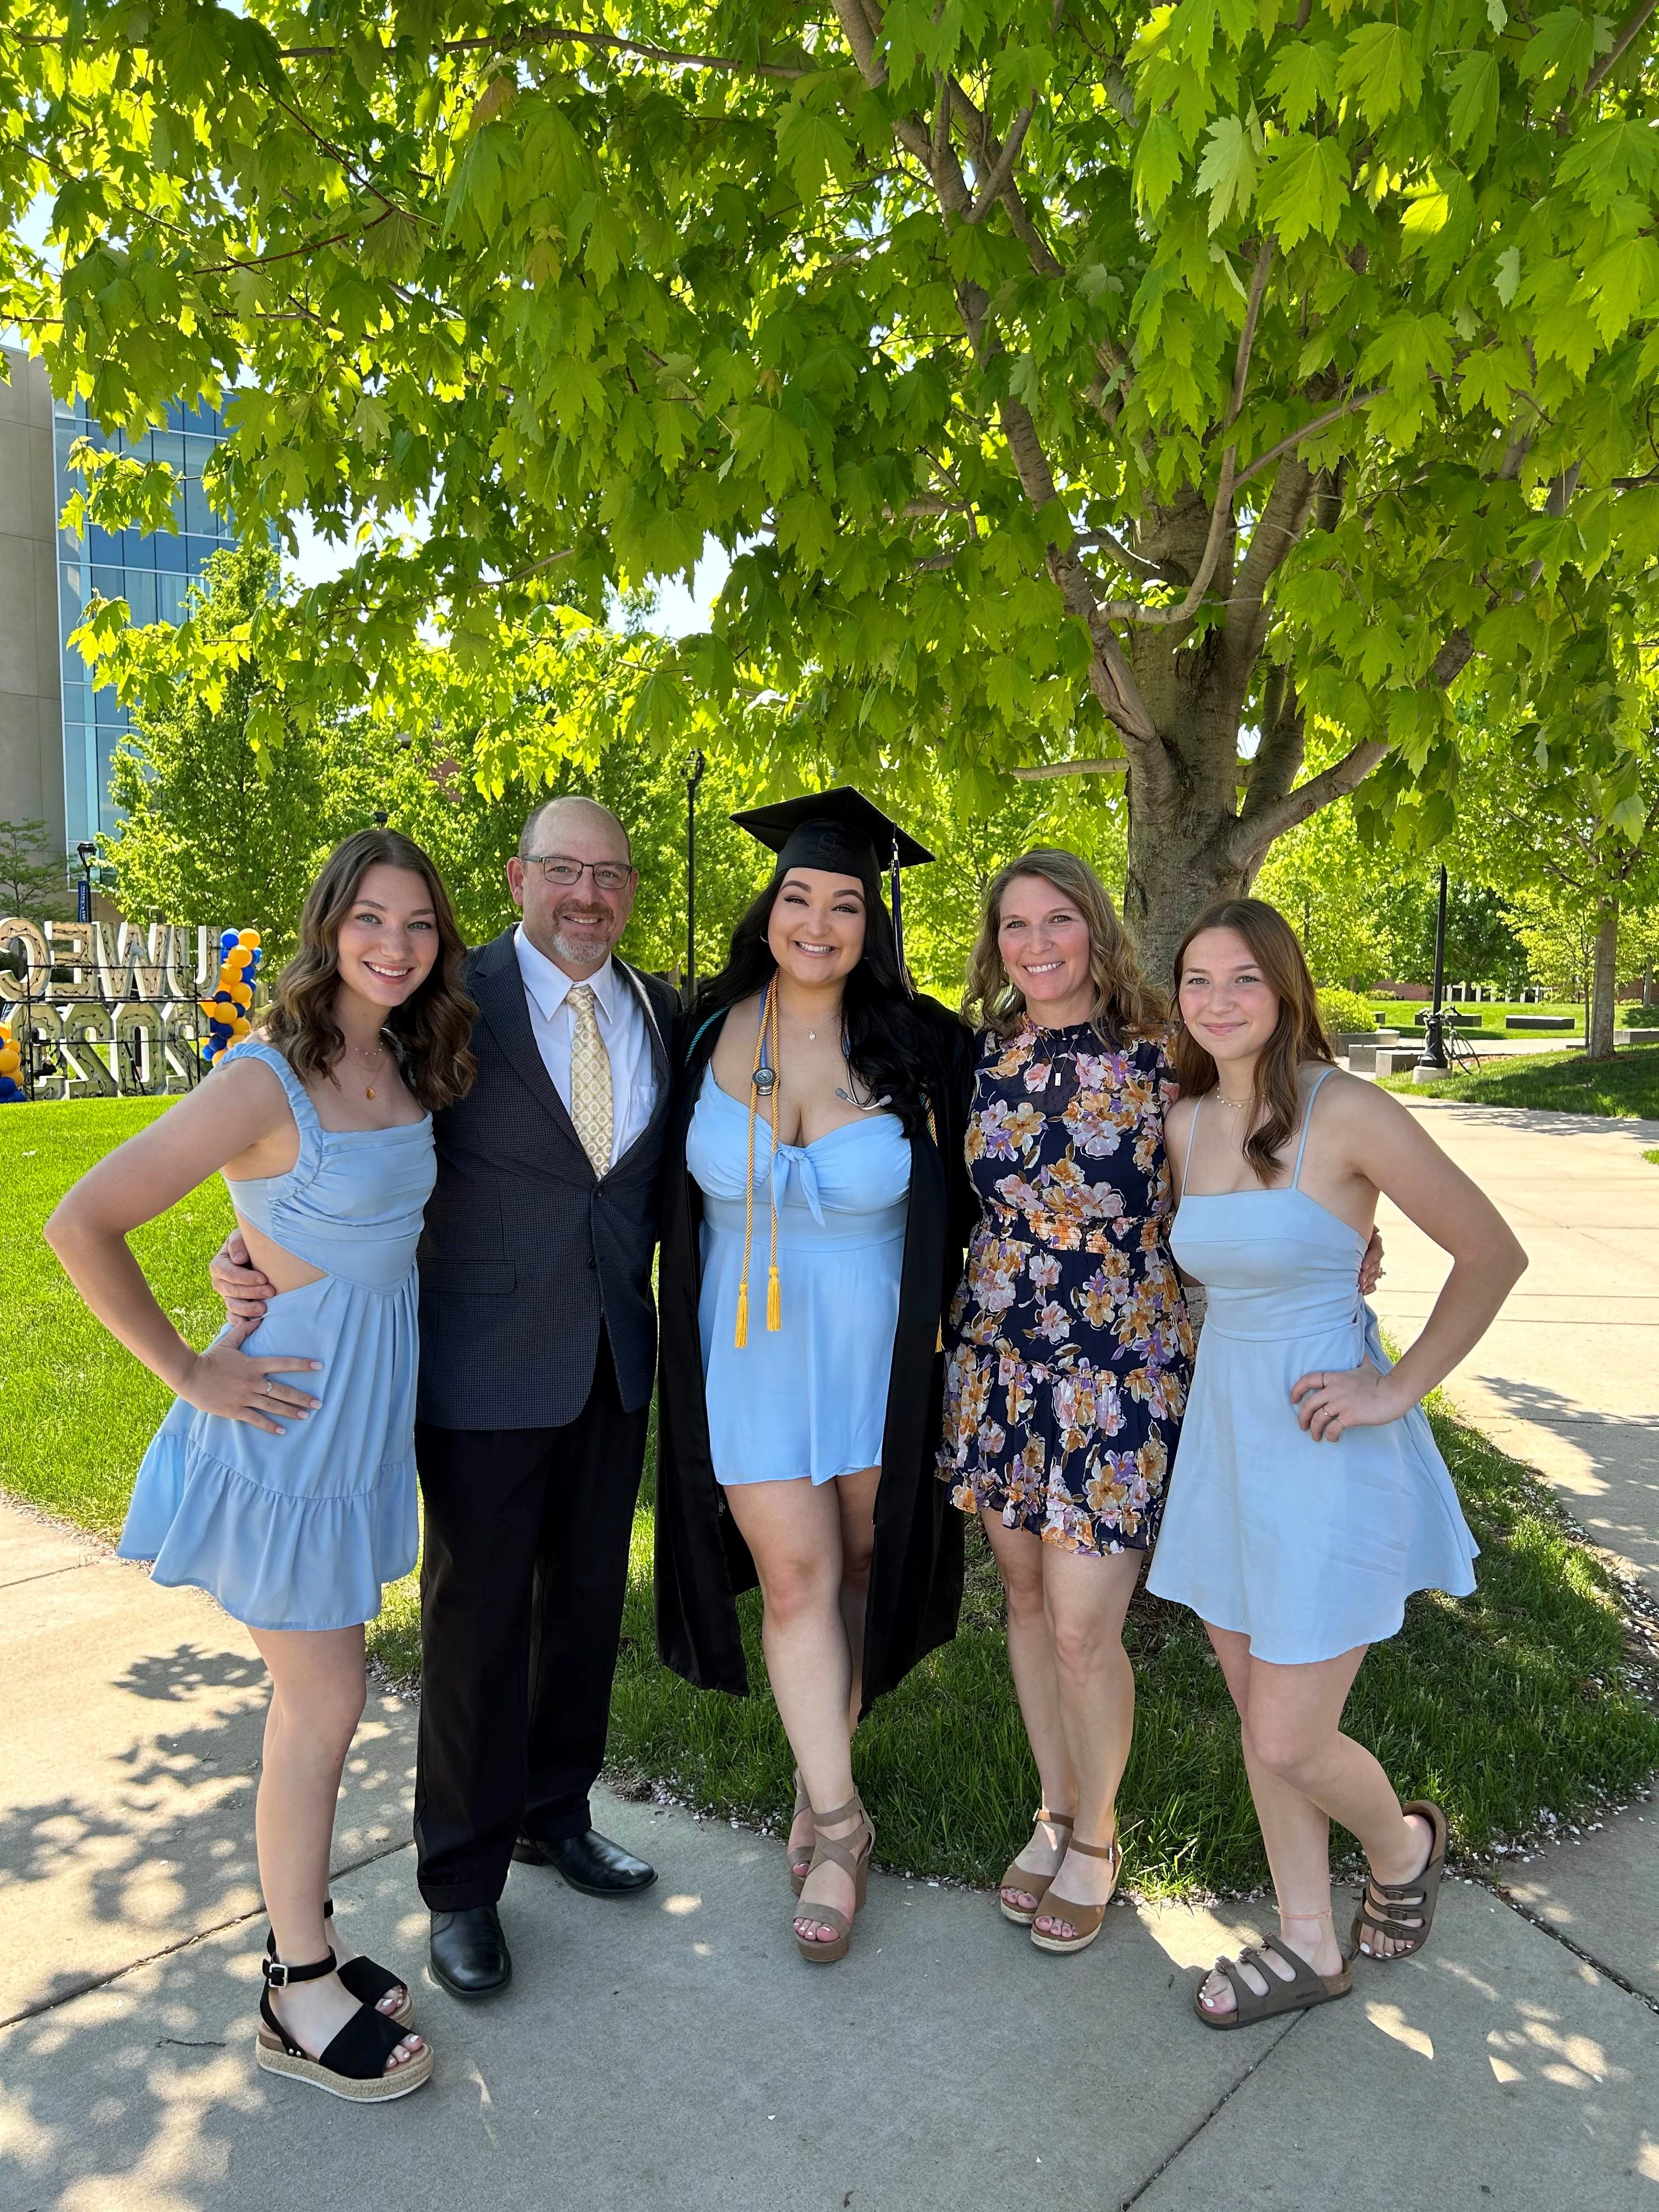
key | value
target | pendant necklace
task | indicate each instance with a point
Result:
(373, 1059)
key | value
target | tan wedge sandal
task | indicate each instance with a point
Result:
(839, 1851)
(799, 1867)
(1022, 1878)
(1086, 1919)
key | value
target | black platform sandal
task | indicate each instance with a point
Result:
(363, 1979)
(353, 2066)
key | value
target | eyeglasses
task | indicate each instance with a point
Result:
(557, 868)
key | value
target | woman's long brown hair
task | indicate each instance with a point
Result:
(432, 1029)
(1126, 1006)
(1298, 1035)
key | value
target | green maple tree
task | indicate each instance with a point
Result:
(1069, 381)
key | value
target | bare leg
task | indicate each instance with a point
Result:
(793, 1530)
(316, 1702)
(1304, 1774)
(1019, 1556)
(856, 1497)
(1087, 1596)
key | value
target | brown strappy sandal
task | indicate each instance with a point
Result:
(856, 1863)
(799, 1868)
(1416, 1896)
(1086, 1919)
(1022, 1878)
(1304, 1988)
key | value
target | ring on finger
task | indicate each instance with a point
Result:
(270, 1388)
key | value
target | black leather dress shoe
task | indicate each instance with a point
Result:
(468, 1951)
(589, 1863)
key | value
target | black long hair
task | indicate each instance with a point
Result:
(888, 1048)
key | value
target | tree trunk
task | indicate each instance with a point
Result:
(1598, 1040)
(1182, 796)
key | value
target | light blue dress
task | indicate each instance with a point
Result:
(808, 1400)
(1307, 1548)
(300, 1530)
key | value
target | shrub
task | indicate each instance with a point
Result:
(1344, 1013)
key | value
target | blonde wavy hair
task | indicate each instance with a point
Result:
(1126, 1006)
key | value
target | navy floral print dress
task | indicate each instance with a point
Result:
(1069, 1352)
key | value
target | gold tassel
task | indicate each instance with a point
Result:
(774, 1296)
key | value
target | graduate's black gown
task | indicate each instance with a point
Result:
(702, 1562)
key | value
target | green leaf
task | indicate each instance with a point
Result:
(811, 142)
(1305, 188)
(1607, 159)
(1381, 68)
(1623, 283)
(1303, 74)
(1158, 163)
(1508, 278)
(1564, 45)
(1227, 172)
(1472, 116)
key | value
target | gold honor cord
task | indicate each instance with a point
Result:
(768, 1022)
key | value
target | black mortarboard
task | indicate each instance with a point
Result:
(839, 830)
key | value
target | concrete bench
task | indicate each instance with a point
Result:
(1389, 1059)
(1540, 1021)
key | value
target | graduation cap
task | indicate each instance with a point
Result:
(842, 832)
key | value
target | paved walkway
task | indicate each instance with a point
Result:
(1568, 1378)
(670, 2053)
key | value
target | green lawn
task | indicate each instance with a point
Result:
(1402, 1013)
(1558, 1082)
(1499, 1707)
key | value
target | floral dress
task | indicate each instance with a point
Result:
(1069, 1351)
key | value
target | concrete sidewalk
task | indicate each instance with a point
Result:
(1568, 1377)
(671, 2051)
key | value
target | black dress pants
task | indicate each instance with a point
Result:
(524, 1574)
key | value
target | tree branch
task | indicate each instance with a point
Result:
(1221, 518)
(1246, 335)
(1276, 530)
(1350, 405)
(1104, 541)
(1002, 168)
(1120, 766)
(543, 35)
(1615, 54)
(1281, 754)
(1253, 836)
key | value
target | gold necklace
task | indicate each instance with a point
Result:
(1234, 1105)
(372, 1059)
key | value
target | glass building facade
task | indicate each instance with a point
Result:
(151, 571)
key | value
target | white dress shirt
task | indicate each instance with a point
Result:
(622, 1025)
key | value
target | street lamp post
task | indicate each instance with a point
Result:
(694, 768)
(1434, 1029)
(83, 890)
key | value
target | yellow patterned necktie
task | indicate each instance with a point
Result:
(590, 1080)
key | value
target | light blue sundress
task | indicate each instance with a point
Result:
(808, 1400)
(1307, 1548)
(300, 1530)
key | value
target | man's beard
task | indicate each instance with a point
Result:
(582, 944)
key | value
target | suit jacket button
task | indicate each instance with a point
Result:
(592, 1263)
